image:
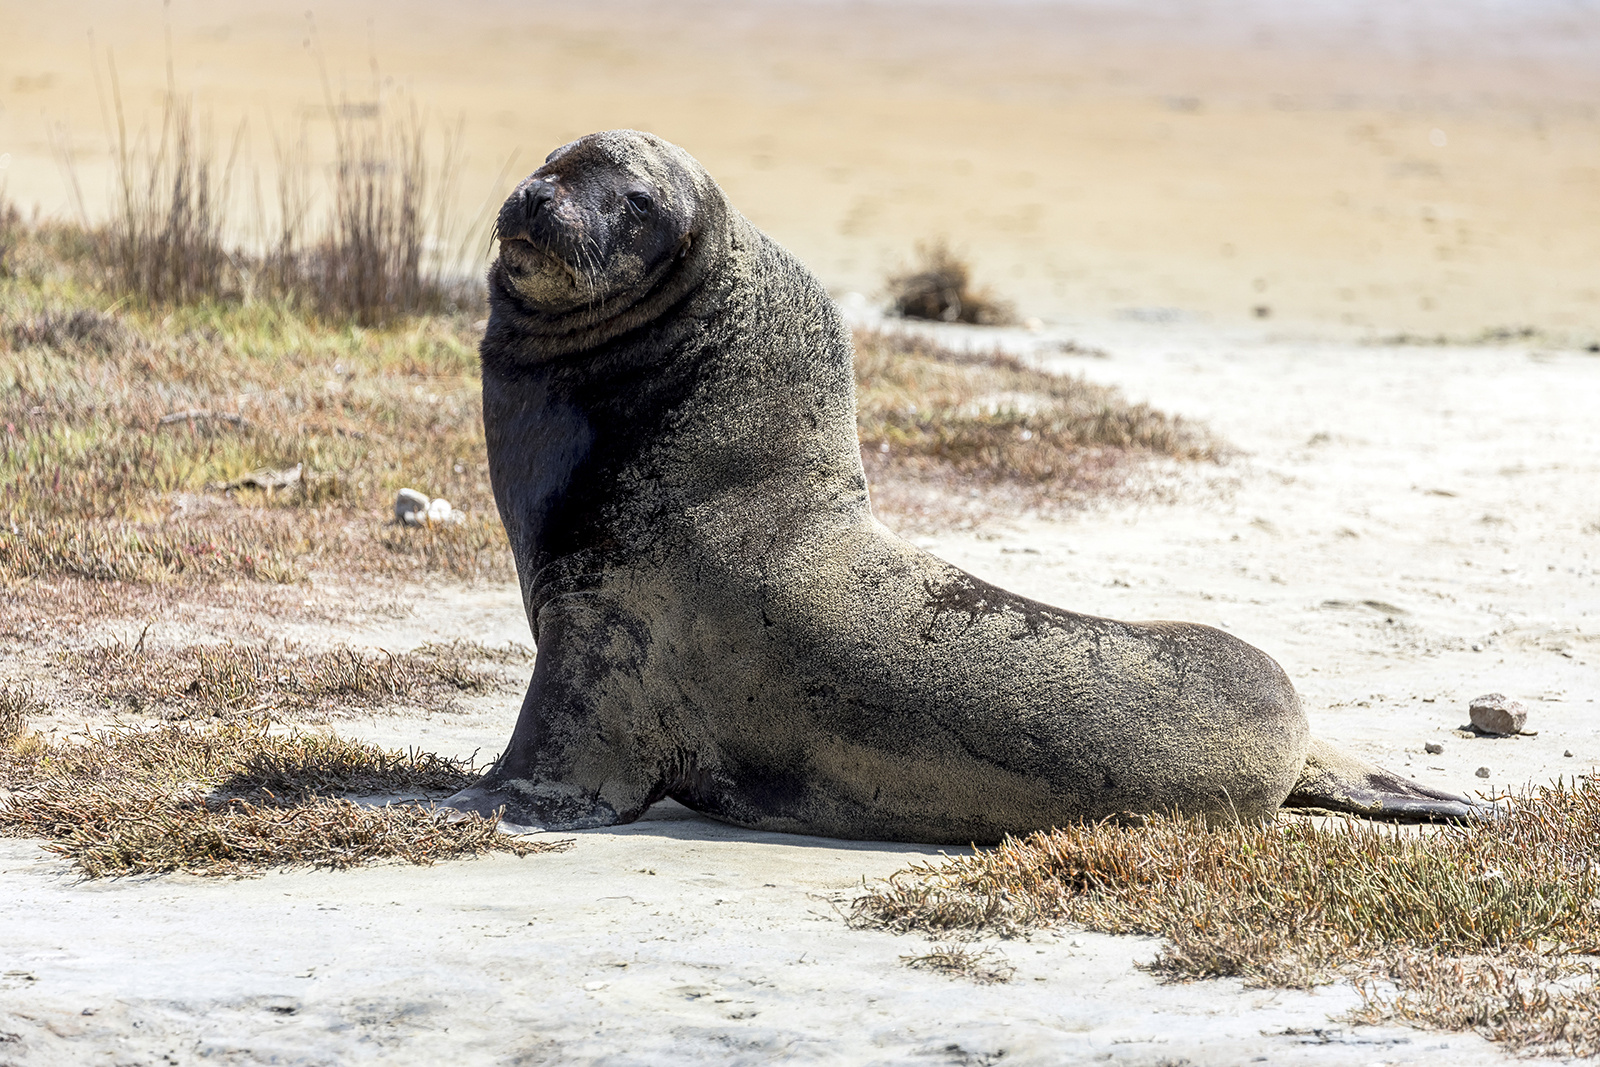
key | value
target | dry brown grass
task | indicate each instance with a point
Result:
(1532, 1003)
(164, 245)
(234, 799)
(17, 706)
(376, 255)
(984, 966)
(1295, 904)
(118, 429)
(233, 680)
(939, 287)
(940, 427)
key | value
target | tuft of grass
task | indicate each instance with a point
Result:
(17, 704)
(164, 245)
(1295, 904)
(984, 966)
(370, 265)
(939, 288)
(233, 680)
(378, 254)
(234, 799)
(10, 232)
(1531, 1003)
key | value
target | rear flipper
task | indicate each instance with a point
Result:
(1336, 781)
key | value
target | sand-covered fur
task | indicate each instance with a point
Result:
(670, 416)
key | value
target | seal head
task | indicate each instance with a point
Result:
(606, 235)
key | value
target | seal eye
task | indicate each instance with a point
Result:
(639, 203)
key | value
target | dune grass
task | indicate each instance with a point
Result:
(984, 966)
(372, 250)
(234, 798)
(17, 706)
(1487, 926)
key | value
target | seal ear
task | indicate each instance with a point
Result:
(684, 245)
(560, 150)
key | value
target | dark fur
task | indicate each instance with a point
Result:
(670, 412)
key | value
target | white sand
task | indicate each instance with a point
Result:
(678, 940)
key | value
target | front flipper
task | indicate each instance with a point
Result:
(587, 749)
(1336, 781)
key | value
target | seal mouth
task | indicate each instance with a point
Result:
(522, 256)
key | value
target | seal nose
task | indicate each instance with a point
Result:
(535, 195)
(523, 207)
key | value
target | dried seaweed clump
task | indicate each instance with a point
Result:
(939, 288)
(1483, 927)
(235, 799)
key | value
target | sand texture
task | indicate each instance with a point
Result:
(1327, 542)
(1121, 159)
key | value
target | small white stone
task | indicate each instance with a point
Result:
(594, 986)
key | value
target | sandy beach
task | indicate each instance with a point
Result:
(1402, 531)
(1379, 168)
(1402, 525)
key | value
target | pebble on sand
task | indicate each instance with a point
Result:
(1482, 772)
(1432, 749)
(1496, 713)
(412, 508)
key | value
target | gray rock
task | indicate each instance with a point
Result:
(411, 508)
(1432, 749)
(1482, 772)
(1496, 713)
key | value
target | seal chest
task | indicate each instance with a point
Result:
(670, 415)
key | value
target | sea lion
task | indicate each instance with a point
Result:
(669, 407)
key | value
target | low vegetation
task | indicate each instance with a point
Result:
(377, 251)
(17, 706)
(230, 680)
(134, 443)
(234, 798)
(951, 437)
(939, 288)
(1485, 927)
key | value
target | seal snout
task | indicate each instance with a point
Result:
(523, 208)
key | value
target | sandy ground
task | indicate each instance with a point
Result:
(1406, 528)
(1431, 166)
